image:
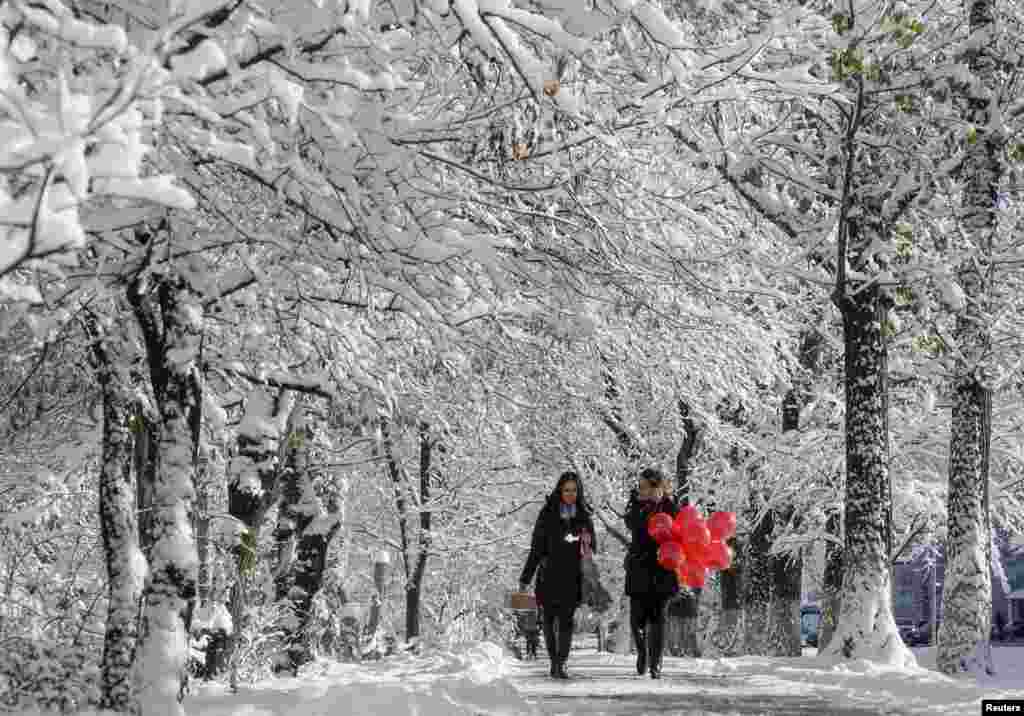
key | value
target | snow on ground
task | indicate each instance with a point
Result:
(474, 682)
(483, 681)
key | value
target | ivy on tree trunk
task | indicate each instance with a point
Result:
(174, 355)
(118, 523)
(303, 525)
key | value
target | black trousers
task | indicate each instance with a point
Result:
(647, 620)
(558, 627)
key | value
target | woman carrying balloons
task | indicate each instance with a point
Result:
(563, 525)
(670, 547)
(648, 584)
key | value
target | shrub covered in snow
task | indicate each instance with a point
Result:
(47, 677)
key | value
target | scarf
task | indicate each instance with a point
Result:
(566, 512)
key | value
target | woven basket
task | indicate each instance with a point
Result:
(522, 601)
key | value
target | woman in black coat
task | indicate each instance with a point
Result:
(563, 524)
(648, 584)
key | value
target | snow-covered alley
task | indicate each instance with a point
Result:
(485, 682)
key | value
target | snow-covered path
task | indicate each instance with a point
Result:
(481, 680)
(752, 686)
(600, 685)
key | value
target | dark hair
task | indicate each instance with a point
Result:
(653, 475)
(570, 476)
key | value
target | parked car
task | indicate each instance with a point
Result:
(810, 619)
(907, 630)
(922, 635)
(1015, 630)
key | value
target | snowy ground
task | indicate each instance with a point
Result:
(481, 681)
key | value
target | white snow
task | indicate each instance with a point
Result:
(481, 680)
(472, 682)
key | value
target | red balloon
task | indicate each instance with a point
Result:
(659, 526)
(686, 514)
(722, 525)
(719, 556)
(697, 554)
(670, 555)
(696, 577)
(697, 534)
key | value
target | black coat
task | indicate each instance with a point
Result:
(555, 555)
(644, 576)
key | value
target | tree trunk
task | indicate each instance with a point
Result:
(171, 588)
(967, 589)
(865, 627)
(833, 578)
(414, 591)
(252, 489)
(381, 564)
(784, 620)
(757, 573)
(204, 582)
(126, 565)
(684, 609)
(146, 447)
(787, 570)
(303, 520)
(964, 644)
(728, 638)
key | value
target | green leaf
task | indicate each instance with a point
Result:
(1016, 153)
(247, 554)
(932, 345)
(972, 135)
(841, 23)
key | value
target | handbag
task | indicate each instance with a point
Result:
(594, 594)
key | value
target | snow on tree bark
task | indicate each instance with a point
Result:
(865, 627)
(252, 489)
(683, 612)
(833, 580)
(414, 588)
(305, 527)
(784, 617)
(787, 569)
(963, 644)
(757, 574)
(171, 587)
(126, 567)
(728, 637)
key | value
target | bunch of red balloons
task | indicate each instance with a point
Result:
(689, 545)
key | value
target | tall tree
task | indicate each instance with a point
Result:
(170, 312)
(685, 608)
(967, 588)
(304, 534)
(125, 562)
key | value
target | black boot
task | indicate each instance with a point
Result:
(554, 669)
(550, 642)
(560, 672)
(564, 648)
(637, 626)
(641, 652)
(656, 637)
